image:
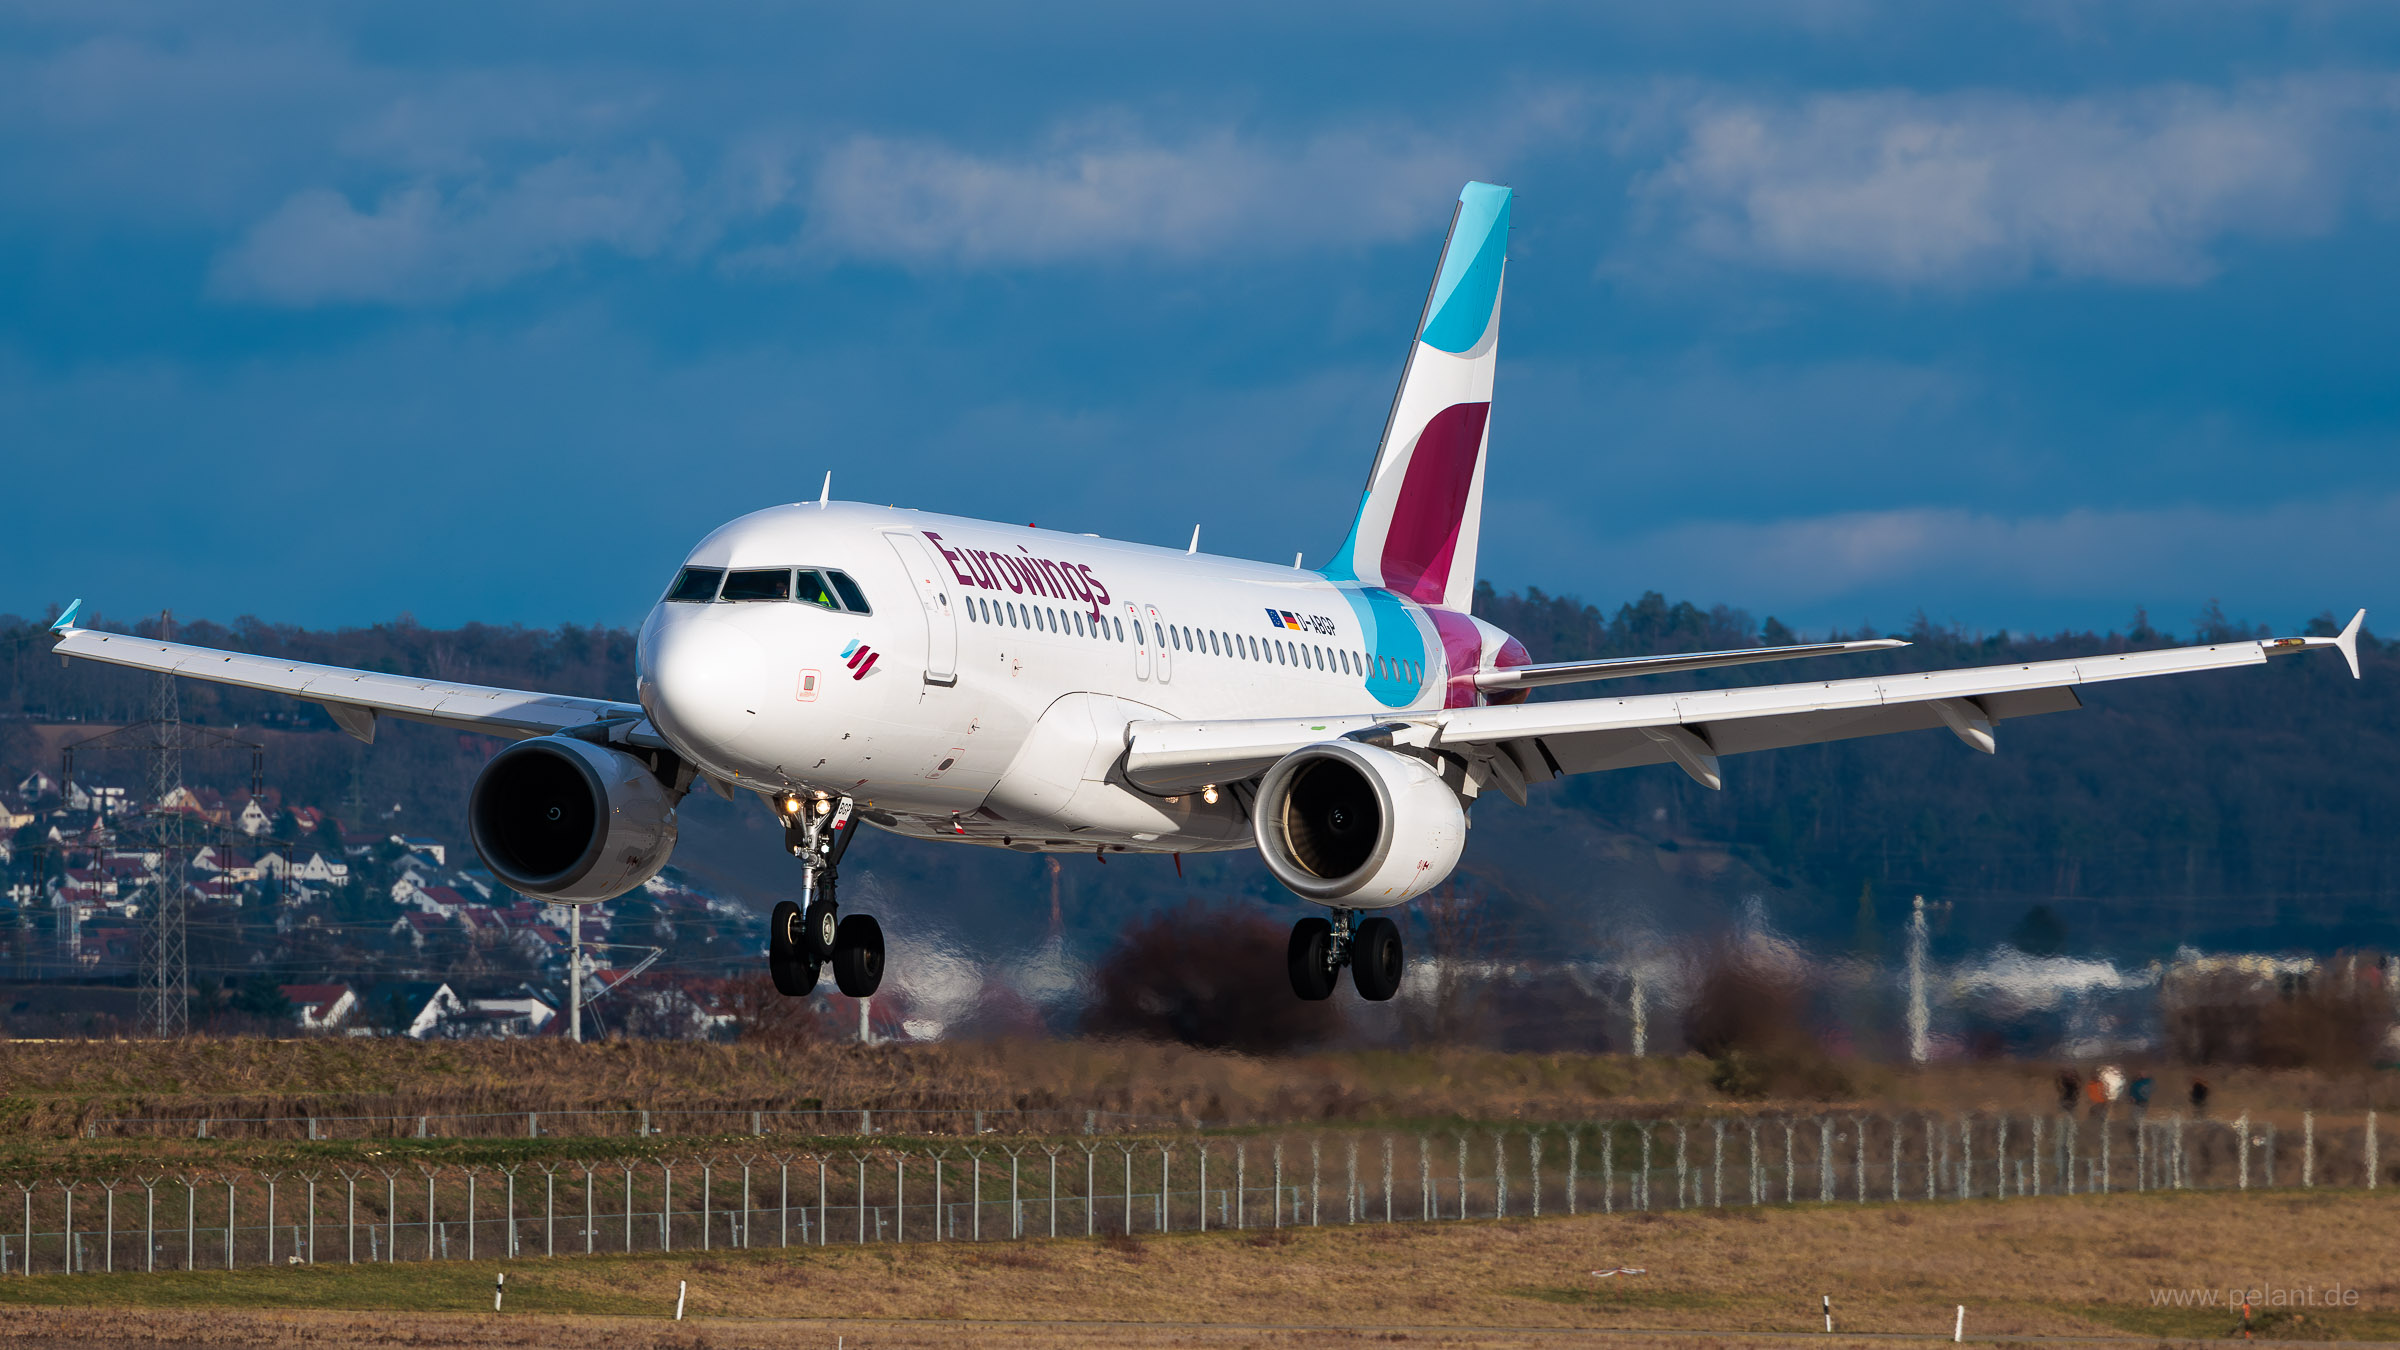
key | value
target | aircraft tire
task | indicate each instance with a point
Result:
(1376, 959)
(858, 956)
(819, 930)
(786, 937)
(795, 977)
(1309, 959)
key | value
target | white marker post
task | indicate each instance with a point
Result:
(679, 1287)
(1828, 1314)
(1958, 1329)
(499, 1283)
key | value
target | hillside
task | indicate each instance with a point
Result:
(2244, 808)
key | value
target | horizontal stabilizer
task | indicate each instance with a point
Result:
(1624, 667)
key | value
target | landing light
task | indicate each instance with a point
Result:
(789, 805)
(1209, 794)
(824, 804)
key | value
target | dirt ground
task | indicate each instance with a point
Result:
(2042, 1268)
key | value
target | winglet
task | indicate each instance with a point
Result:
(66, 621)
(2347, 642)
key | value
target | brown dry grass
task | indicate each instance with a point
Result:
(52, 1089)
(2054, 1267)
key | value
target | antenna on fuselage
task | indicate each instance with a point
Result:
(826, 495)
(1195, 548)
(1296, 561)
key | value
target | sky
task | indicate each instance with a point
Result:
(2019, 316)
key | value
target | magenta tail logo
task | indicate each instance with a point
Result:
(860, 657)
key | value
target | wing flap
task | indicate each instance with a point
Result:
(1625, 667)
(365, 693)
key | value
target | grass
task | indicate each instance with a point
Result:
(2043, 1267)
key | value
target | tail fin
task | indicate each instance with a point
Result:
(1422, 515)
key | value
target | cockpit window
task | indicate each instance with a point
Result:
(762, 584)
(853, 599)
(696, 585)
(812, 590)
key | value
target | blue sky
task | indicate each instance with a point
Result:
(2024, 315)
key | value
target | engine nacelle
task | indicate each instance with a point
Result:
(561, 819)
(1358, 825)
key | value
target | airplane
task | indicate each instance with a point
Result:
(954, 679)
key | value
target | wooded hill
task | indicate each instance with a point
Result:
(2241, 808)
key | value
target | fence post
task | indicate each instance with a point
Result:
(1427, 1208)
(1791, 1154)
(591, 1217)
(1645, 1178)
(1166, 1184)
(1682, 1163)
(1499, 1174)
(1575, 1155)
(1929, 1166)
(1016, 1206)
(1716, 1164)
(1203, 1192)
(1462, 1144)
(1824, 1160)
(149, 1223)
(1858, 1168)
(1387, 1179)
(2242, 1124)
(1462, 1175)
(1966, 1157)
(2034, 1157)
(941, 1216)
(666, 1206)
(824, 1208)
(2000, 1158)
(2374, 1152)
(899, 1197)
(230, 1182)
(533, 1124)
(1533, 1168)
(2308, 1149)
(627, 1167)
(2266, 1155)
(1608, 1167)
(2107, 1170)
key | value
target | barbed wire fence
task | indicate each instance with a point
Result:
(921, 1189)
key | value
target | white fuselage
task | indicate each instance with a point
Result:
(985, 695)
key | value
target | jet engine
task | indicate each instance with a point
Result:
(562, 819)
(1357, 825)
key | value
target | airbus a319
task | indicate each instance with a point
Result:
(1008, 687)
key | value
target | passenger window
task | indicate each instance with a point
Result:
(758, 585)
(1079, 624)
(812, 590)
(696, 585)
(1158, 635)
(1176, 637)
(853, 599)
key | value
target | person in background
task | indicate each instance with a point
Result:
(2070, 1090)
(2140, 1092)
(2199, 1096)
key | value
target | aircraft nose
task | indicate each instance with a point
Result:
(704, 682)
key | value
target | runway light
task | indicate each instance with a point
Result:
(1209, 794)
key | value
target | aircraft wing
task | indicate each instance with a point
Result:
(1511, 745)
(357, 697)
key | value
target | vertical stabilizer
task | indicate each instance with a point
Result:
(1419, 522)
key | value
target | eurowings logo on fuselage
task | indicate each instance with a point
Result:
(990, 570)
(860, 658)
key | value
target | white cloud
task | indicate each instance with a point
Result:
(923, 202)
(425, 243)
(1994, 187)
(2274, 561)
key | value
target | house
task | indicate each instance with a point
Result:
(253, 819)
(321, 1007)
(515, 1015)
(318, 869)
(424, 847)
(418, 1009)
(35, 786)
(418, 927)
(104, 801)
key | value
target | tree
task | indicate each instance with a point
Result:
(1205, 975)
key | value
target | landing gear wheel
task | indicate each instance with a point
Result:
(858, 955)
(790, 963)
(1376, 961)
(817, 930)
(1310, 959)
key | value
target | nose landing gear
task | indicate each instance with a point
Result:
(803, 936)
(1321, 947)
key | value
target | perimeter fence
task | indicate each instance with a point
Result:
(929, 1190)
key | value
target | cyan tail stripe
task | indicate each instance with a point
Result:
(1469, 283)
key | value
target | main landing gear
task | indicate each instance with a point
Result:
(1370, 947)
(803, 936)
